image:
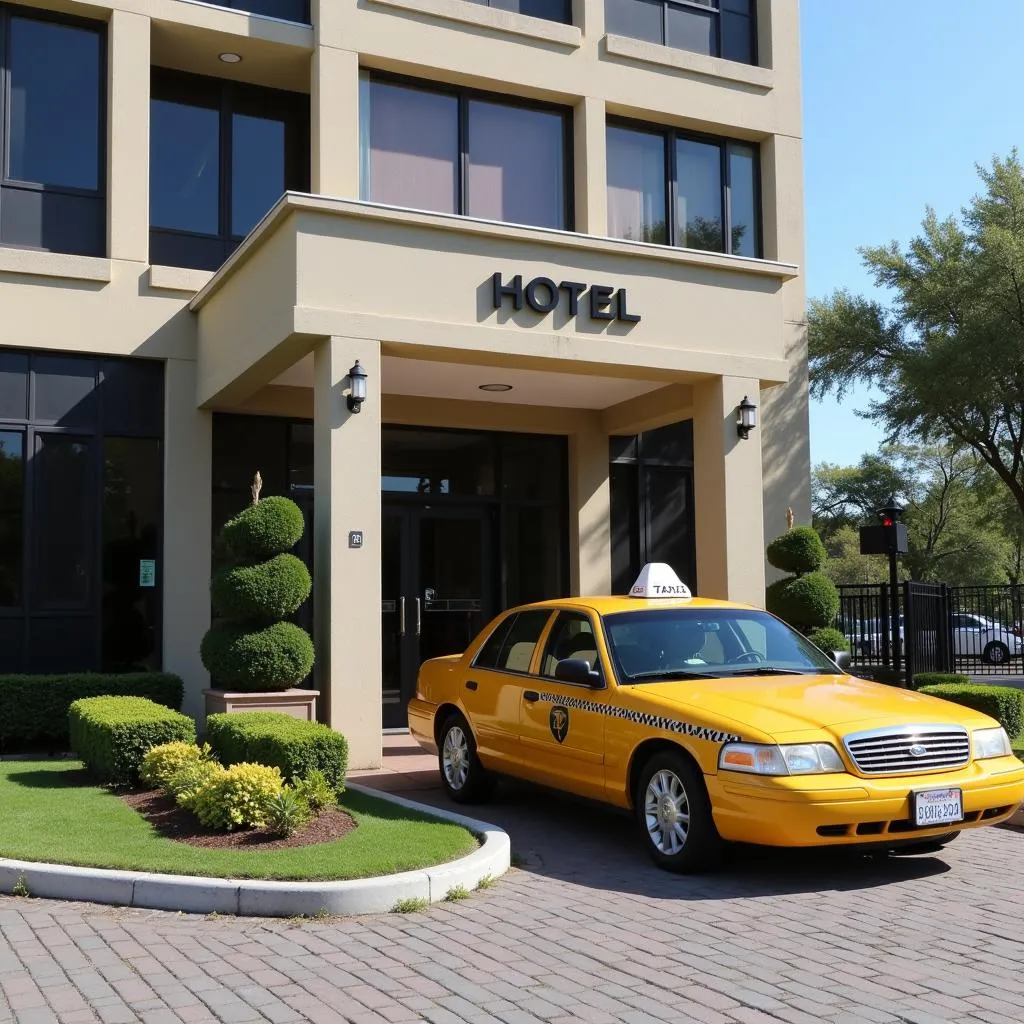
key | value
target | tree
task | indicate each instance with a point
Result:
(846, 565)
(948, 355)
(850, 495)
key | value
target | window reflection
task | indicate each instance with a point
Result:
(257, 169)
(636, 185)
(54, 104)
(699, 195)
(184, 167)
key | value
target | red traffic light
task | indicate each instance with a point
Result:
(887, 521)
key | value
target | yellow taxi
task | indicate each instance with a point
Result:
(711, 721)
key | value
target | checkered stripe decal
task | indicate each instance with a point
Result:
(701, 732)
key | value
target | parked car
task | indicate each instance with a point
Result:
(710, 721)
(974, 636)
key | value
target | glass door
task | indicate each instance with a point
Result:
(435, 587)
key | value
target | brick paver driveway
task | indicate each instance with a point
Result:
(584, 930)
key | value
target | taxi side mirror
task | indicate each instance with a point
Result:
(842, 659)
(578, 671)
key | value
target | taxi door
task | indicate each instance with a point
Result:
(561, 725)
(493, 685)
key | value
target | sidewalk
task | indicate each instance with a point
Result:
(406, 767)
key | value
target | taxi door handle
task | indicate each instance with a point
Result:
(531, 696)
(470, 685)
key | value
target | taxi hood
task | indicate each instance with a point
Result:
(777, 705)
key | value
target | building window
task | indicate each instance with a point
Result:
(81, 512)
(461, 152)
(221, 154)
(719, 28)
(697, 192)
(52, 192)
(549, 10)
(286, 10)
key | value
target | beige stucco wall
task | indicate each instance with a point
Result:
(318, 270)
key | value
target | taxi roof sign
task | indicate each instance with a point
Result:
(658, 580)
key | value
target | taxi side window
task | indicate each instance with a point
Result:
(572, 636)
(517, 643)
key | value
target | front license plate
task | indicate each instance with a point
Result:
(937, 807)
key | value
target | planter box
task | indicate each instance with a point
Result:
(297, 703)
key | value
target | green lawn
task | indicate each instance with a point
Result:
(50, 811)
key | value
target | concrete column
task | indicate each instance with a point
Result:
(188, 496)
(590, 565)
(727, 491)
(591, 166)
(334, 123)
(346, 579)
(128, 137)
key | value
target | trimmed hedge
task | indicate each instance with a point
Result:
(799, 550)
(829, 639)
(272, 659)
(295, 746)
(804, 601)
(34, 709)
(1003, 703)
(940, 679)
(112, 734)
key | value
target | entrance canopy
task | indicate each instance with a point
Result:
(451, 300)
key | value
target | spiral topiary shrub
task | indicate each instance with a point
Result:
(249, 648)
(797, 551)
(807, 600)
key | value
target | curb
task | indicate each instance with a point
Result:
(250, 897)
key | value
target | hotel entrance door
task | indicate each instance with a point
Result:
(435, 568)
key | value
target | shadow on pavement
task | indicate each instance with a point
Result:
(598, 847)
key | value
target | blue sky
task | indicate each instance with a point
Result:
(901, 99)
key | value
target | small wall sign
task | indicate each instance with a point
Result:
(355, 538)
(542, 295)
(147, 572)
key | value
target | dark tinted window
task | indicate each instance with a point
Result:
(456, 152)
(51, 133)
(132, 501)
(201, 128)
(715, 184)
(533, 554)
(719, 28)
(549, 10)
(62, 569)
(287, 10)
(13, 386)
(487, 656)
(55, 86)
(12, 501)
(184, 167)
(572, 636)
(65, 390)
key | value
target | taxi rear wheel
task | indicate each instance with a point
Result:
(464, 778)
(674, 813)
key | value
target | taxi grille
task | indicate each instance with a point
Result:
(910, 749)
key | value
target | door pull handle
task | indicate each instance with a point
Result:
(419, 617)
(531, 696)
(470, 685)
(401, 616)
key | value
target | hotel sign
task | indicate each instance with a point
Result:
(543, 295)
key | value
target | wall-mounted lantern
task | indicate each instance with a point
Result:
(746, 417)
(357, 387)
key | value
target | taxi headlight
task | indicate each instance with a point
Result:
(790, 759)
(990, 743)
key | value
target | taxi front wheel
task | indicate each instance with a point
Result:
(464, 778)
(674, 812)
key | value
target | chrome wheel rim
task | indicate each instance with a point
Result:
(455, 757)
(666, 812)
(995, 655)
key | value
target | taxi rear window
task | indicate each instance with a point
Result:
(511, 646)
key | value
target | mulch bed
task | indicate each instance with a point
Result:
(176, 823)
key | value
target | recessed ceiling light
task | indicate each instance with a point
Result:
(495, 387)
(231, 58)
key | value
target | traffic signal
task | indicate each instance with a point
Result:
(889, 537)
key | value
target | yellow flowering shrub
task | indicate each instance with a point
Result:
(161, 762)
(238, 796)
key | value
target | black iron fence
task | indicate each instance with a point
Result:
(977, 631)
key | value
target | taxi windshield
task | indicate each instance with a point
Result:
(663, 644)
